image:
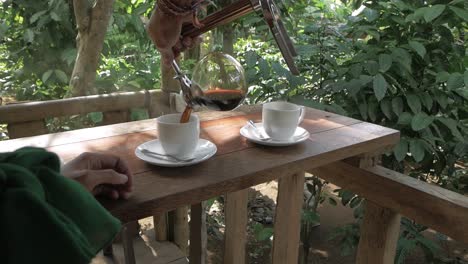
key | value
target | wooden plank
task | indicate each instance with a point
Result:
(380, 230)
(235, 236)
(288, 219)
(26, 129)
(427, 204)
(87, 134)
(72, 106)
(198, 235)
(181, 229)
(115, 117)
(160, 226)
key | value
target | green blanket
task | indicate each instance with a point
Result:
(45, 217)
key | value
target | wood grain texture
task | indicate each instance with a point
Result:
(160, 226)
(288, 218)
(235, 236)
(427, 204)
(380, 230)
(26, 129)
(77, 105)
(198, 235)
(181, 228)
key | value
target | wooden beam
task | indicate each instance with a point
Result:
(26, 129)
(288, 219)
(235, 209)
(380, 230)
(198, 235)
(427, 204)
(24, 112)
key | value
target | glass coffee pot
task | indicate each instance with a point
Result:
(218, 81)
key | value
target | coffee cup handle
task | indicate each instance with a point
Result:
(301, 115)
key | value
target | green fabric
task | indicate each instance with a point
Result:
(45, 217)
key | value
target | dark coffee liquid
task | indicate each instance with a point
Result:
(186, 115)
(220, 99)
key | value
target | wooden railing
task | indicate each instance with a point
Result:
(389, 195)
(28, 119)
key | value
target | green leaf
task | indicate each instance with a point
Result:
(405, 118)
(416, 148)
(462, 13)
(54, 16)
(386, 107)
(28, 35)
(46, 75)
(442, 76)
(421, 121)
(397, 105)
(402, 57)
(279, 69)
(433, 12)
(96, 117)
(463, 92)
(264, 68)
(380, 86)
(385, 62)
(426, 100)
(36, 16)
(251, 58)
(363, 110)
(465, 78)
(401, 150)
(452, 125)
(418, 47)
(310, 217)
(354, 86)
(414, 103)
(61, 76)
(372, 110)
(454, 81)
(442, 99)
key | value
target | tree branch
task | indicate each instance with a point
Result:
(82, 11)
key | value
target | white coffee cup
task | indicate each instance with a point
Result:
(178, 139)
(280, 119)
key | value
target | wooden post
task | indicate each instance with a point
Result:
(288, 219)
(235, 209)
(380, 230)
(181, 228)
(198, 239)
(127, 243)
(160, 226)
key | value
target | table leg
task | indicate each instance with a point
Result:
(127, 243)
(288, 219)
(235, 209)
(181, 229)
(198, 239)
(380, 230)
(380, 227)
(160, 226)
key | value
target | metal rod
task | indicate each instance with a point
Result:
(222, 17)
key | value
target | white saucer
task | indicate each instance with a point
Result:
(204, 151)
(300, 135)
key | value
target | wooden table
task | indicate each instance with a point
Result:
(237, 165)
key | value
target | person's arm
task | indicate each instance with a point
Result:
(165, 26)
(101, 174)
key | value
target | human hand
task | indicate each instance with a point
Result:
(165, 31)
(101, 174)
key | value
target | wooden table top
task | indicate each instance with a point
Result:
(238, 164)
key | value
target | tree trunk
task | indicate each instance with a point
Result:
(92, 22)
